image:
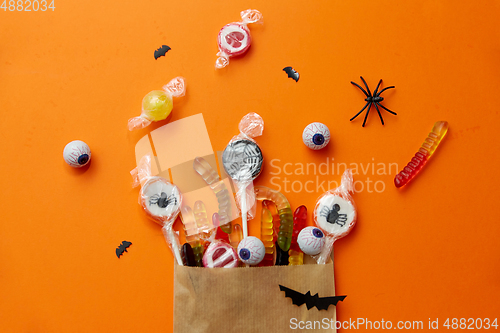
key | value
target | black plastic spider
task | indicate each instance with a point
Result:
(332, 215)
(162, 200)
(374, 99)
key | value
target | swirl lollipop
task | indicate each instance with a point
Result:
(335, 214)
(161, 200)
(242, 159)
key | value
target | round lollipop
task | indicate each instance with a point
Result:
(242, 159)
(162, 202)
(335, 214)
(160, 199)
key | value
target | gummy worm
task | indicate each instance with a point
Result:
(276, 218)
(267, 236)
(191, 231)
(423, 155)
(296, 258)
(219, 234)
(236, 236)
(299, 223)
(201, 218)
(219, 188)
(187, 255)
(284, 211)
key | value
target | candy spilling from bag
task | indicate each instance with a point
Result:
(284, 238)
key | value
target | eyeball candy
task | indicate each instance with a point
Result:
(234, 38)
(316, 136)
(311, 240)
(335, 214)
(220, 254)
(251, 250)
(77, 154)
(158, 104)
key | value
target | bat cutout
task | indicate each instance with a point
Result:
(292, 73)
(321, 303)
(122, 248)
(162, 51)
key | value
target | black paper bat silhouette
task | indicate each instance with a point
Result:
(162, 51)
(292, 73)
(122, 248)
(321, 303)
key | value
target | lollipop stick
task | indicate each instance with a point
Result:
(327, 250)
(244, 211)
(173, 241)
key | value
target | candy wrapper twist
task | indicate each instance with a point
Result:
(234, 38)
(335, 214)
(158, 104)
(161, 201)
(242, 160)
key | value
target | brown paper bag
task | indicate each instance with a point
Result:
(250, 300)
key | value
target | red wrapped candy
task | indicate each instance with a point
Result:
(220, 254)
(234, 38)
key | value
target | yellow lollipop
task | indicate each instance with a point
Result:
(158, 104)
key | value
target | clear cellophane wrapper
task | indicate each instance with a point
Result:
(242, 175)
(247, 16)
(175, 88)
(343, 191)
(160, 200)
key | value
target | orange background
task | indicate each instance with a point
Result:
(430, 250)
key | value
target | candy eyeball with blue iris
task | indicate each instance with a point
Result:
(251, 250)
(311, 240)
(77, 154)
(316, 136)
